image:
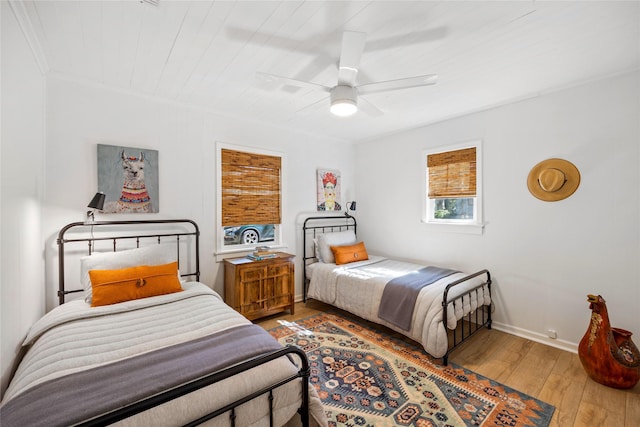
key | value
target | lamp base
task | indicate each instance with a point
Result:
(90, 219)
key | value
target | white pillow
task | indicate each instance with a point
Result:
(148, 255)
(325, 241)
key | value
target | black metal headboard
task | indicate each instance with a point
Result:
(133, 232)
(313, 227)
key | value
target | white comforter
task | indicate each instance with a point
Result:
(75, 337)
(358, 288)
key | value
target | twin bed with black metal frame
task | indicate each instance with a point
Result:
(172, 358)
(437, 307)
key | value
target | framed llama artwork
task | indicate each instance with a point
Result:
(129, 179)
(328, 190)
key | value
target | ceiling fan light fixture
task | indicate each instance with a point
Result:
(344, 107)
(343, 101)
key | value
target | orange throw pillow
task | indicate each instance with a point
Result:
(351, 253)
(114, 286)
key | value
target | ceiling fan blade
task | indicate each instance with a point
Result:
(405, 83)
(413, 38)
(368, 108)
(352, 47)
(314, 106)
(293, 82)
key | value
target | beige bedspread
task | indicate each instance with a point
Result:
(358, 288)
(76, 337)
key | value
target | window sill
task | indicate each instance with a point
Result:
(449, 227)
(221, 255)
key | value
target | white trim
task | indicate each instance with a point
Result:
(448, 227)
(472, 227)
(535, 336)
(174, 102)
(234, 253)
(222, 252)
(522, 333)
(24, 22)
(497, 104)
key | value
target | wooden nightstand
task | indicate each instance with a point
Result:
(259, 288)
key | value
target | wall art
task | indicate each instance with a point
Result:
(129, 179)
(328, 190)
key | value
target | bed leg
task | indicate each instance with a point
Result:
(445, 360)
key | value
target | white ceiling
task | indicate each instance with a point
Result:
(207, 53)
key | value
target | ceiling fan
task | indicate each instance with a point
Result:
(344, 96)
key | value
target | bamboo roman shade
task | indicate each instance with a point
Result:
(452, 174)
(250, 188)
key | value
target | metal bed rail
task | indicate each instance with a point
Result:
(482, 314)
(164, 397)
(122, 230)
(475, 320)
(122, 235)
(313, 231)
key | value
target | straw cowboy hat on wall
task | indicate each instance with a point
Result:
(553, 179)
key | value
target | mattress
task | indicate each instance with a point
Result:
(75, 337)
(358, 287)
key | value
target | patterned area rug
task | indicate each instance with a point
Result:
(368, 378)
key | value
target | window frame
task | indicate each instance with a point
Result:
(471, 226)
(277, 242)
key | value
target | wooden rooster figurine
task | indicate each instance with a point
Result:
(608, 354)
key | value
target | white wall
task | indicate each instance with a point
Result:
(22, 175)
(81, 116)
(544, 257)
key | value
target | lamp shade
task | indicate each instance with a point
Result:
(97, 202)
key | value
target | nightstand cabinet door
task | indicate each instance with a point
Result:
(279, 284)
(260, 288)
(250, 297)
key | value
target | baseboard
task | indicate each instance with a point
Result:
(534, 336)
(523, 333)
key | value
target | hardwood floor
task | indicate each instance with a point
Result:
(552, 375)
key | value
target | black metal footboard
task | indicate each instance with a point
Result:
(473, 321)
(159, 399)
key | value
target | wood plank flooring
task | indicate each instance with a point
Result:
(552, 375)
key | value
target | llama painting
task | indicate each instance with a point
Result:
(129, 178)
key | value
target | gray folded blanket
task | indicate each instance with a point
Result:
(400, 295)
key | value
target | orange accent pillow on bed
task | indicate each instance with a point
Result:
(113, 286)
(351, 253)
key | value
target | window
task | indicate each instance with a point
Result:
(249, 198)
(452, 178)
